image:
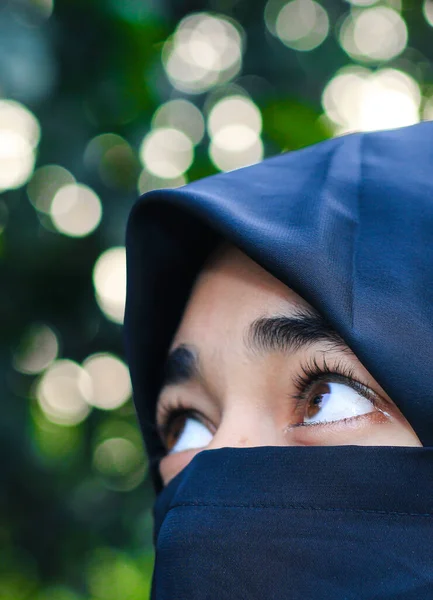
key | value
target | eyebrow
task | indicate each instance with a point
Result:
(278, 333)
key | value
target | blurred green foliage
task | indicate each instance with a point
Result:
(75, 515)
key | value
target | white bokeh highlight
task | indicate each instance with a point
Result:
(234, 126)
(148, 182)
(302, 25)
(357, 99)
(375, 34)
(19, 137)
(39, 349)
(109, 280)
(110, 378)
(44, 185)
(205, 50)
(166, 152)
(182, 115)
(76, 210)
(427, 9)
(63, 393)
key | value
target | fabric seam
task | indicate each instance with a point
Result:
(298, 507)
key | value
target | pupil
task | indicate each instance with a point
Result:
(175, 429)
(315, 404)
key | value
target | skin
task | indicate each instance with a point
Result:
(244, 399)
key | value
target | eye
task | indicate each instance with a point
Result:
(332, 394)
(332, 401)
(185, 431)
(325, 396)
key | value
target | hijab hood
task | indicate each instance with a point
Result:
(347, 224)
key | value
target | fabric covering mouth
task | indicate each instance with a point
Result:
(347, 224)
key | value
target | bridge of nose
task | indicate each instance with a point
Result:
(248, 423)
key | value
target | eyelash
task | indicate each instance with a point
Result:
(168, 414)
(311, 373)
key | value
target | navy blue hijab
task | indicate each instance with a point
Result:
(348, 225)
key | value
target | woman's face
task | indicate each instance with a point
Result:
(252, 364)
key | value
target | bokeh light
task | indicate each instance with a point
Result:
(234, 125)
(47, 6)
(64, 391)
(113, 574)
(16, 160)
(76, 210)
(427, 9)
(44, 7)
(16, 118)
(427, 113)
(204, 50)
(109, 280)
(19, 137)
(182, 115)
(227, 160)
(362, 2)
(357, 99)
(33, 13)
(110, 379)
(118, 455)
(238, 110)
(44, 185)
(300, 24)
(148, 181)
(112, 157)
(37, 350)
(374, 34)
(166, 152)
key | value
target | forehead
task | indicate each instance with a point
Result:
(230, 292)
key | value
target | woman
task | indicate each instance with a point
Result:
(279, 327)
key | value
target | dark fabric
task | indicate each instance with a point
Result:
(347, 224)
(330, 523)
